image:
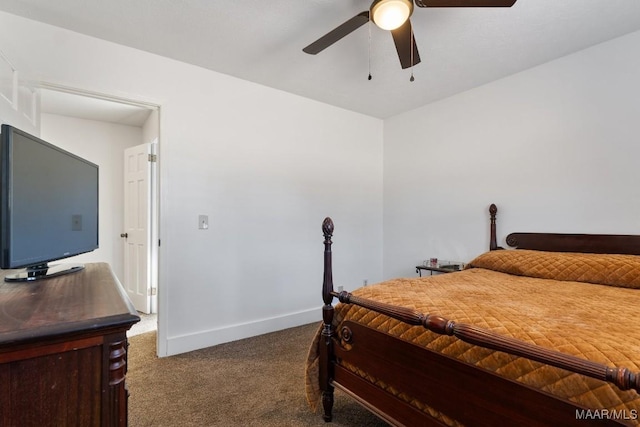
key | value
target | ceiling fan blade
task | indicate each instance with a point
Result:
(337, 33)
(465, 3)
(404, 40)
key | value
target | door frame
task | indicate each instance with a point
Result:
(155, 223)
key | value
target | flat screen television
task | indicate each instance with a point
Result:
(48, 206)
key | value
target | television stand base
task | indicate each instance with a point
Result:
(42, 271)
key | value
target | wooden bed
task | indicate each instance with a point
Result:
(407, 384)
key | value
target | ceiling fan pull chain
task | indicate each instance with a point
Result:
(369, 78)
(411, 79)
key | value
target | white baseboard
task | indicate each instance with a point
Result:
(195, 341)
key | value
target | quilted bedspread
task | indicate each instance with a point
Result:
(580, 304)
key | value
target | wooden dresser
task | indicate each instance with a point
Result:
(63, 350)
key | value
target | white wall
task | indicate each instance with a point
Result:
(265, 165)
(151, 127)
(103, 144)
(19, 100)
(555, 147)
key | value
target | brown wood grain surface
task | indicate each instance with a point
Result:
(63, 350)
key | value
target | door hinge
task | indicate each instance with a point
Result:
(152, 291)
(153, 158)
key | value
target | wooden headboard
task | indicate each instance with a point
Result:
(559, 242)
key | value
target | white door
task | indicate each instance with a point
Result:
(137, 224)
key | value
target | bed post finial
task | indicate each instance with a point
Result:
(327, 228)
(493, 240)
(326, 342)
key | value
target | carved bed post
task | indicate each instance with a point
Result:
(326, 339)
(493, 241)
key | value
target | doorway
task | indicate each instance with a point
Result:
(128, 123)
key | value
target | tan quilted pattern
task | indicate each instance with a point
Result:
(614, 270)
(590, 321)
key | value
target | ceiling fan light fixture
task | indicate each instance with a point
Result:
(391, 14)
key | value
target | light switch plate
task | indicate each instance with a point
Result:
(203, 222)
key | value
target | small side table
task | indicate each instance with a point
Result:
(439, 268)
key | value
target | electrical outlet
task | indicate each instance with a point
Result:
(203, 222)
(365, 282)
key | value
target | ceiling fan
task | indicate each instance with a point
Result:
(393, 15)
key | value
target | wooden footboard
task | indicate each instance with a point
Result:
(469, 395)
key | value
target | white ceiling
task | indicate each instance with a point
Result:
(262, 41)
